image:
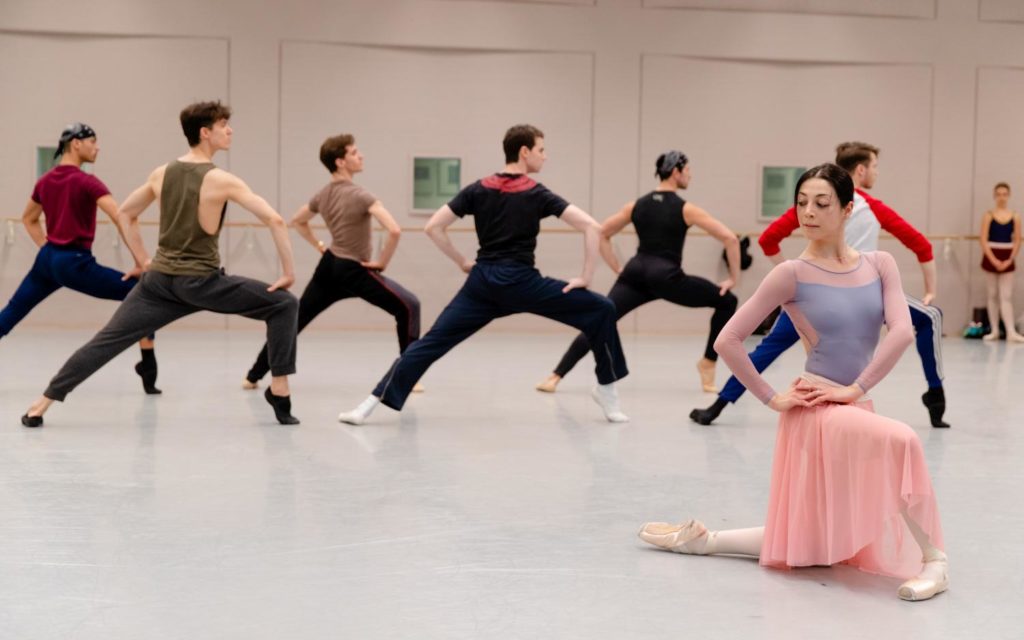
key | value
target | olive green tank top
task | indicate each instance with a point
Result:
(184, 248)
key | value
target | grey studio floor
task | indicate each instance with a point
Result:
(485, 510)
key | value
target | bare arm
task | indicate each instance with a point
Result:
(127, 219)
(300, 222)
(240, 193)
(614, 224)
(694, 215)
(1016, 238)
(384, 217)
(437, 230)
(986, 221)
(581, 221)
(31, 219)
(108, 205)
(930, 277)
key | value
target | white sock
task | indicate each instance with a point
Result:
(360, 413)
(608, 399)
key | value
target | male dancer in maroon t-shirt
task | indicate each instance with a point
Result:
(68, 197)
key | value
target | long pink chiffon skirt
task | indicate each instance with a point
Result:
(841, 477)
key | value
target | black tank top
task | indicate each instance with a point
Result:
(658, 219)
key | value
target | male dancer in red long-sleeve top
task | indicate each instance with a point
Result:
(869, 217)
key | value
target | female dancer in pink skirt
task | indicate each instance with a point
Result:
(848, 485)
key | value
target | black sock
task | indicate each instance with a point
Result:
(935, 400)
(147, 370)
(282, 407)
(707, 416)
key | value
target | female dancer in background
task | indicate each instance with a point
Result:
(1000, 241)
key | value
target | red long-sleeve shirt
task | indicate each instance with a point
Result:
(783, 226)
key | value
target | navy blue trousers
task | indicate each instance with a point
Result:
(57, 267)
(927, 322)
(497, 289)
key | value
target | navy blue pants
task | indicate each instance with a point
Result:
(57, 267)
(927, 322)
(497, 289)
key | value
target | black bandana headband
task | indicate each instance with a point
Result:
(76, 131)
(670, 160)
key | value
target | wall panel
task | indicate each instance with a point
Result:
(130, 90)
(405, 102)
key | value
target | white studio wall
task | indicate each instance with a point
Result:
(130, 90)
(786, 113)
(403, 102)
(734, 84)
(998, 153)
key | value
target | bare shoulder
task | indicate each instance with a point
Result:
(157, 175)
(220, 177)
(693, 212)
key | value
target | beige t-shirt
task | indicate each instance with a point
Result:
(345, 207)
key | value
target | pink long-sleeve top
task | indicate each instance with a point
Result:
(839, 316)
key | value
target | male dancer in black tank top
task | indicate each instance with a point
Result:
(661, 219)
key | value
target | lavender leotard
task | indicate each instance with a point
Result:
(838, 315)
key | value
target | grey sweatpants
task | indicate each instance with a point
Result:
(160, 299)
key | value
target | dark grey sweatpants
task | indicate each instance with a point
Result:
(160, 299)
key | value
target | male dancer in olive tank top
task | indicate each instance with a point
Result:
(185, 274)
(661, 219)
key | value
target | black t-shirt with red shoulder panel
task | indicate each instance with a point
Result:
(507, 209)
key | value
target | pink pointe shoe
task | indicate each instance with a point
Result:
(933, 580)
(687, 537)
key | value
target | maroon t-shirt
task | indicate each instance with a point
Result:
(69, 196)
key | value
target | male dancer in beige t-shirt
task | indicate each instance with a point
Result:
(346, 269)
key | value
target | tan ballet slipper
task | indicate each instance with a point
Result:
(549, 384)
(706, 369)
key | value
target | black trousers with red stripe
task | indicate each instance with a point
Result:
(340, 278)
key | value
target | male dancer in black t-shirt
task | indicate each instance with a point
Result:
(661, 219)
(507, 208)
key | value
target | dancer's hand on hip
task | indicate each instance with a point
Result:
(820, 394)
(794, 397)
(282, 283)
(134, 272)
(928, 299)
(467, 266)
(725, 285)
(575, 283)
